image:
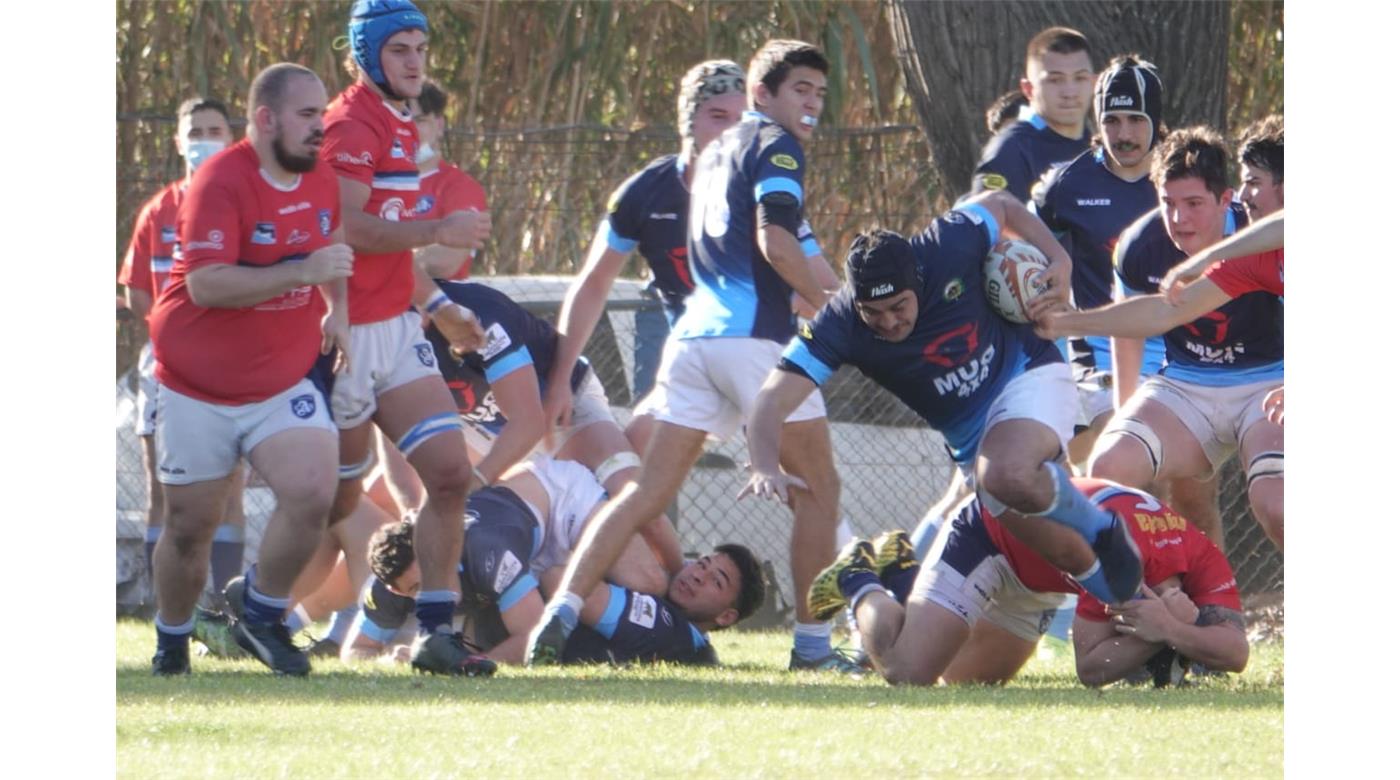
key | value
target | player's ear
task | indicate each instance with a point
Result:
(727, 618)
(264, 118)
(1027, 88)
(1227, 197)
(759, 96)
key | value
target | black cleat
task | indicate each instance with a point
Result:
(1120, 559)
(325, 647)
(170, 662)
(448, 652)
(272, 644)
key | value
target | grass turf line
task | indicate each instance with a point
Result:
(751, 718)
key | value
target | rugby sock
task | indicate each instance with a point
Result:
(297, 619)
(152, 536)
(260, 608)
(566, 605)
(434, 608)
(855, 584)
(226, 555)
(1072, 508)
(341, 622)
(924, 534)
(1096, 584)
(811, 641)
(900, 583)
(170, 637)
(1059, 626)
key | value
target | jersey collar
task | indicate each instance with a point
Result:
(1028, 114)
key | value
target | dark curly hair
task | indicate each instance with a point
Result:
(391, 551)
(1262, 146)
(1194, 151)
(751, 582)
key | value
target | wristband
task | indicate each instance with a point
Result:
(436, 301)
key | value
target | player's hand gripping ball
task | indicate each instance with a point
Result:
(1012, 271)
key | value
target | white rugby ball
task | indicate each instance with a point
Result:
(1009, 270)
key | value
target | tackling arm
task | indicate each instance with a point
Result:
(1138, 317)
(518, 395)
(1262, 236)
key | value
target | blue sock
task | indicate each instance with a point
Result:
(1096, 583)
(341, 622)
(170, 637)
(1059, 627)
(434, 608)
(567, 606)
(901, 582)
(924, 534)
(260, 608)
(226, 555)
(811, 641)
(855, 584)
(1073, 508)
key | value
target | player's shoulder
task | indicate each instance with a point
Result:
(1146, 234)
(234, 167)
(1085, 167)
(1013, 137)
(772, 139)
(657, 174)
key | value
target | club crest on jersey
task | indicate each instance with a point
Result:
(785, 161)
(993, 181)
(496, 341)
(303, 406)
(396, 150)
(425, 204)
(264, 233)
(168, 234)
(323, 219)
(805, 330)
(298, 237)
(425, 354)
(506, 573)
(953, 290)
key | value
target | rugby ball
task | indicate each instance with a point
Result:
(1008, 271)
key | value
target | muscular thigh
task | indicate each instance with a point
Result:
(991, 654)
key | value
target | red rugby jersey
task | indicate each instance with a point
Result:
(369, 141)
(154, 241)
(444, 190)
(1249, 273)
(233, 214)
(1169, 544)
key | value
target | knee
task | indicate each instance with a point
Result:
(1116, 465)
(899, 672)
(447, 479)
(311, 500)
(1015, 483)
(1266, 501)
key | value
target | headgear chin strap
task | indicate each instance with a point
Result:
(372, 23)
(881, 264)
(1130, 87)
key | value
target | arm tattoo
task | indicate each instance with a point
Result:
(1214, 614)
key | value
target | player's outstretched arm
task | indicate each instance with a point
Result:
(779, 397)
(582, 308)
(372, 234)
(1139, 317)
(359, 647)
(518, 619)
(518, 396)
(1262, 236)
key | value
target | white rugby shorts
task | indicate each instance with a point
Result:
(1217, 416)
(146, 392)
(574, 494)
(383, 355)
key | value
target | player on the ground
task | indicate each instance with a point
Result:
(746, 261)
(202, 130)
(393, 381)
(975, 608)
(911, 316)
(1208, 399)
(515, 530)
(443, 187)
(236, 334)
(1059, 84)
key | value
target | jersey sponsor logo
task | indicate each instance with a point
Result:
(264, 233)
(1224, 586)
(363, 158)
(953, 290)
(425, 354)
(507, 571)
(785, 161)
(1159, 523)
(993, 181)
(657, 215)
(1212, 327)
(294, 208)
(946, 348)
(396, 150)
(496, 341)
(680, 263)
(304, 406)
(402, 131)
(805, 330)
(966, 379)
(955, 217)
(643, 611)
(1167, 542)
(391, 209)
(323, 219)
(298, 237)
(168, 234)
(1094, 201)
(369, 601)
(215, 241)
(425, 204)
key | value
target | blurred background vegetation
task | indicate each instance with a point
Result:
(555, 102)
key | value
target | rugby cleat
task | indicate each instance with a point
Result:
(447, 652)
(546, 646)
(272, 644)
(325, 647)
(1168, 668)
(171, 661)
(893, 553)
(826, 597)
(837, 662)
(1120, 559)
(233, 597)
(214, 630)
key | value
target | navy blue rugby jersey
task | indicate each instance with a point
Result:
(648, 212)
(637, 627)
(961, 353)
(737, 293)
(514, 338)
(1087, 207)
(1238, 343)
(1016, 158)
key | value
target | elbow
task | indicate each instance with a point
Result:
(1093, 674)
(200, 294)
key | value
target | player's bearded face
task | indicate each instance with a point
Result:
(296, 156)
(1127, 137)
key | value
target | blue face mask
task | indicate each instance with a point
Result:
(198, 152)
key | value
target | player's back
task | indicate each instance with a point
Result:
(649, 212)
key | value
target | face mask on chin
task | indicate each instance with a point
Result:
(425, 153)
(199, 152)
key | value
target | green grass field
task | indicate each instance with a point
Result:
(749, 718)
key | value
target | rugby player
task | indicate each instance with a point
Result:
(202, 130)
(1058, 84)
(911, 316)
(236, 334)
(443, 187)
(393, 381)
(980, 602)
(1208, 400)
(746, 261)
